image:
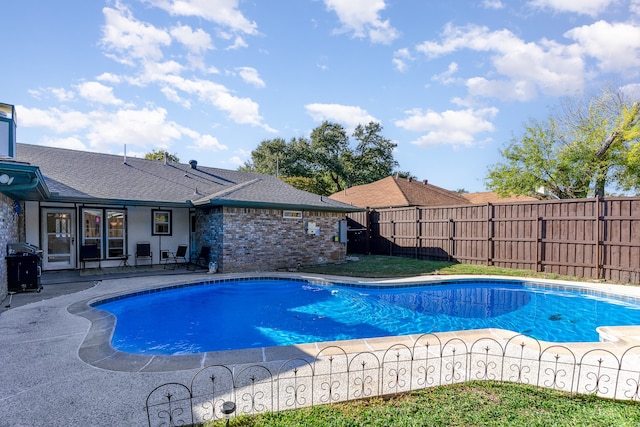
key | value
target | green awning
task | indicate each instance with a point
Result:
(22, 181)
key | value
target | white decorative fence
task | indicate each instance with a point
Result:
(333, 375)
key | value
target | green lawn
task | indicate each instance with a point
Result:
(379, 266)
(470, 404)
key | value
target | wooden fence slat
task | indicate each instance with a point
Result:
(590, 238)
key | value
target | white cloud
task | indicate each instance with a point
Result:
(143, 127)
(521, 90)
(72, 143)
(449, 127)
(109, 77)
(53, 119)
(107, 131)
(446, 77)
(196, 41)
(492, 4)
(97, 92)
(221, 12)
(351, 116)
(634, 7)
(400, 60)
(130, 39)
(362, 17)
(156, 71)
(583, 7)
(631, 91)
(60, 94)
(250, 75)
(553, 68)
(207, 143)
(238, 43)
(140, 44)
(172, 95)
(236, 161)
(616, 46)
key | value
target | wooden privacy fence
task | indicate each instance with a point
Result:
(590, 238)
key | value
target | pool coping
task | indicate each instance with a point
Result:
(96, 349)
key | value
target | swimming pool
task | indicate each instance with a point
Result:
(252, 313)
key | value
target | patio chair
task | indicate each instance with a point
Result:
(143, 251)
(90, 253)
(180, 253)
(202, 259)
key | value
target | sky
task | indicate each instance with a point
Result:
(451, 82)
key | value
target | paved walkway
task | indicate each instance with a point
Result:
(43, 382)
(49, 372)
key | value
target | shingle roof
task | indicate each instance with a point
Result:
(396, 192)
(89, 176)
(491, 197)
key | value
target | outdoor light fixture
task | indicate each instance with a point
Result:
(6, 179)
(228, 408)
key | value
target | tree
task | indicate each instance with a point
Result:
(326, 163)
(160, 155)
(332, 156)
(590, 145)
(373, 156)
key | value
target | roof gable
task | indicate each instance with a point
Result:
(397, 192)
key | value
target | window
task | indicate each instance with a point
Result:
(161, 223)
(92, 228)
(292, 214)
(108, 235)
(115, 234)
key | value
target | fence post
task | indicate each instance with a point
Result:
(392, 241)
(417, 231)
(490, 214)
(597, 237)
(538, 267)
(451, 242)
(367, 232)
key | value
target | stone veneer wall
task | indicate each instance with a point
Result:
(245, 239)
(9, 233)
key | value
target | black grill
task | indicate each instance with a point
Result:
(24, 267)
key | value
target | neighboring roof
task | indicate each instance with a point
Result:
(82, 176)
(397, 192)
(491, 197)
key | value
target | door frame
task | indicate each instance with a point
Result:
(72, 234)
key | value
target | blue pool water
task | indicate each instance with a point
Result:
(260, 313)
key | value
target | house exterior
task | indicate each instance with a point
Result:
(60, 199)
(393, 191)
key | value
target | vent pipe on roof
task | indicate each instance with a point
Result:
(166, 157)
(124, 162)
(409, 179)
(193, 164)
(425, 181)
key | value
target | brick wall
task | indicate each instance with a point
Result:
(261, 239)
(209, 227)
(9, 233)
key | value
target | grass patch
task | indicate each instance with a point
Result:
(380, 266)
(470, 404)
